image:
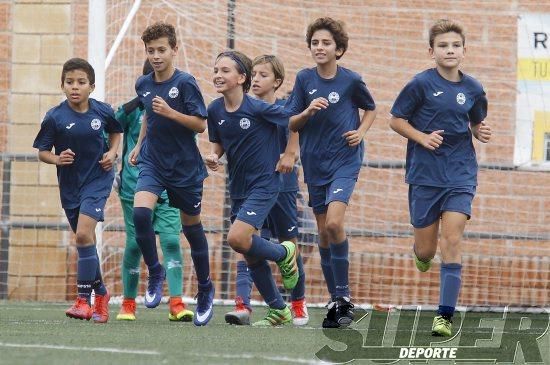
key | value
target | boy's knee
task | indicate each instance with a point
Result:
(131, 263)
(450, 240)
(84, 238)
(169, 242)
(190, 220)
(142, 216)
(132, 255)
(425, 247)
(425, 253)
(450, 248)
(334, 230)
(237, 241)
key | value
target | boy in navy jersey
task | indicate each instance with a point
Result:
(438, 111)
(268, 74)
(169, 159)
(246, 130)
(84, 161)
(325, 103)
(166, 221)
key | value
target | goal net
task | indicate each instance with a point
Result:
(506, 250)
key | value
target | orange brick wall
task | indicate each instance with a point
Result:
(388, 45)
(5, 57)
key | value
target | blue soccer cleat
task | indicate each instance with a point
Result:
(204, 310)
(153, 295)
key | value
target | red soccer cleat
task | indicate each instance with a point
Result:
(300, 317)
(80, 310)
(101, 308)
(240, 316)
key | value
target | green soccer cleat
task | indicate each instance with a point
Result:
(441, 327)
(275, 317)
(422, 265)
(288, 266)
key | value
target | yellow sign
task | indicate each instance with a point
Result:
(541, 127)
(534, 69)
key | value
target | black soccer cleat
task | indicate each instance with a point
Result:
(343, 314)
(330, 319)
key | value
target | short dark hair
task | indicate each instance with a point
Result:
(160, 30)
(244, 65)
(335, 27)
(78, 64)
(443, 26)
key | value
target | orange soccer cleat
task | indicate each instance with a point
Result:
(178, 312)
(127, 310)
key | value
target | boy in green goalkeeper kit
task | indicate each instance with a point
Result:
(166, 222)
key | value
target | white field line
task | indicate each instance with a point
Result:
(74, 348)
(293, 360)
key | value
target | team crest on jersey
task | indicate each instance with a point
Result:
(96, 124)
(244, 123)
(174, 92)
(460, 98)
(333, 97)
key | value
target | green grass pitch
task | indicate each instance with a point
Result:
(38, 333)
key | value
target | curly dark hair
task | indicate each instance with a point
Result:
(78, 64)
(335, 27)
(159, 30)
(243, 63)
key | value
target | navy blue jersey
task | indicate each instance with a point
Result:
(169, 147)
(289, 182)
(325, 154)
(83, 133)
(249, 137)
(429, 103)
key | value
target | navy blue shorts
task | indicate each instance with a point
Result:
(91, 206)
(254, 209)
(337, 190)
(188, 199)
(282, 221)
(427, 203)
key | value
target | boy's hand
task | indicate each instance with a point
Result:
(286, 163)
(108, 160)
(65, 158)
(482, 132)
(316, 105)
(161, 107)
(433, 140)
(353, 137)
(212, 161)
(133, 155)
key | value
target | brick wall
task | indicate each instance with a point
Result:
(37, 43)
